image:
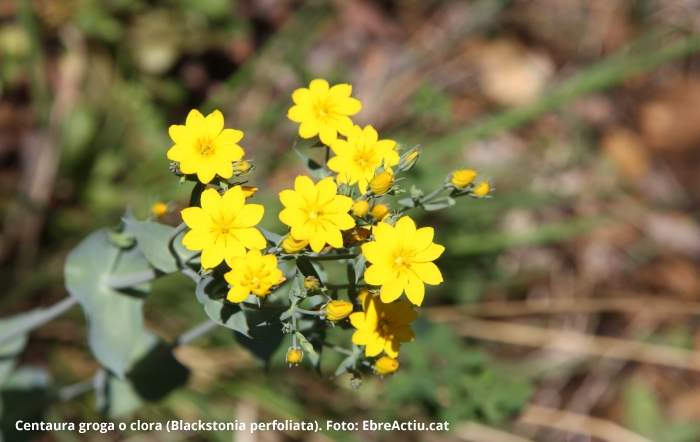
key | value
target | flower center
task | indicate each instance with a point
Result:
(223, 228)
(384, 326)
(313, 215)
(205, 149)
(255, 281)
(399, 261)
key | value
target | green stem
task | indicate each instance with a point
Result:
(171, 244)
(310, 312)
(333, 257)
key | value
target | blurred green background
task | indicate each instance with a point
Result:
(570, 302)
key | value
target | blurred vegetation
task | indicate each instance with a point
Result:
(584, 116)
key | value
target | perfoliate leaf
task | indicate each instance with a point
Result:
(115, 319)
(152, 239)
(407, 202)
(271, 237)
(226, 314)
(265, 340)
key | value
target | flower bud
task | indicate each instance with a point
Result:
(462, 178)
(409, 159)
(159, 209)
(360, 208)
(386, 365)
(291, 245)
(312, 283)
(338, 310)
(241, 168)
(380, 211)
(362, 294)
(380, 184)
(481, 189)
(294, 355)
(248, 191)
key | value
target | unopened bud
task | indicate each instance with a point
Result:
(462, 178)
(291, 245)
(241, 168)
(380, 184)
(338, 310)
(409, 159)
(386, 365)
(159, 209)
(481, 189)
(294, 355)
(360, 208)
(312, 283)
(379, 211)
(248, 191)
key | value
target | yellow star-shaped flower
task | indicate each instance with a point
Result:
(316, 213)
(357, 158)
(401, 260)
(324, 110)
(255, 274)
(204, 147)
(382, 326)
(223, 227)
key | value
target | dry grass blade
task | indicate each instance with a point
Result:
(554, 306)
(475, 432)
(579, 423)
(572, 342)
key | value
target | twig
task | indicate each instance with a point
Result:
(475, 432)
(578, 423)
(572, 342)
(171, 246)
(333, 257)
(38, 318)
(555, 306)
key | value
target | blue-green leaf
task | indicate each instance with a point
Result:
(152, 239)
(227, 314)
(313, 167)
(115, 318)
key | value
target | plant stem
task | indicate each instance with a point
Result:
(39, 317)
(196, 332)
(310, 312)
(333, 257)
(171, 246)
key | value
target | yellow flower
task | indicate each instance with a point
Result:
(386, 365)
(316, 213)
(159, 209)
(380, 211)
(482, 189)
(291, 245)
(254, 274)
(360, 208)
(324, 111)
(248, 191)
(380, 184)
(462, 178)
(294, 355)
(204, 147)
(382, 326)
(359, 156)
(401, 260)
(338, 310)
(223, 227)
(241, 168)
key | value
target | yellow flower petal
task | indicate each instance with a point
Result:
(197, 124)
(428, 272)
(196, 218)
(415, 289)
(213, 255)
(375, 347)
(319, 87)
(301, 113)
(215, 124)
(393, 286)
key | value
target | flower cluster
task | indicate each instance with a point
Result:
(347, 215)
